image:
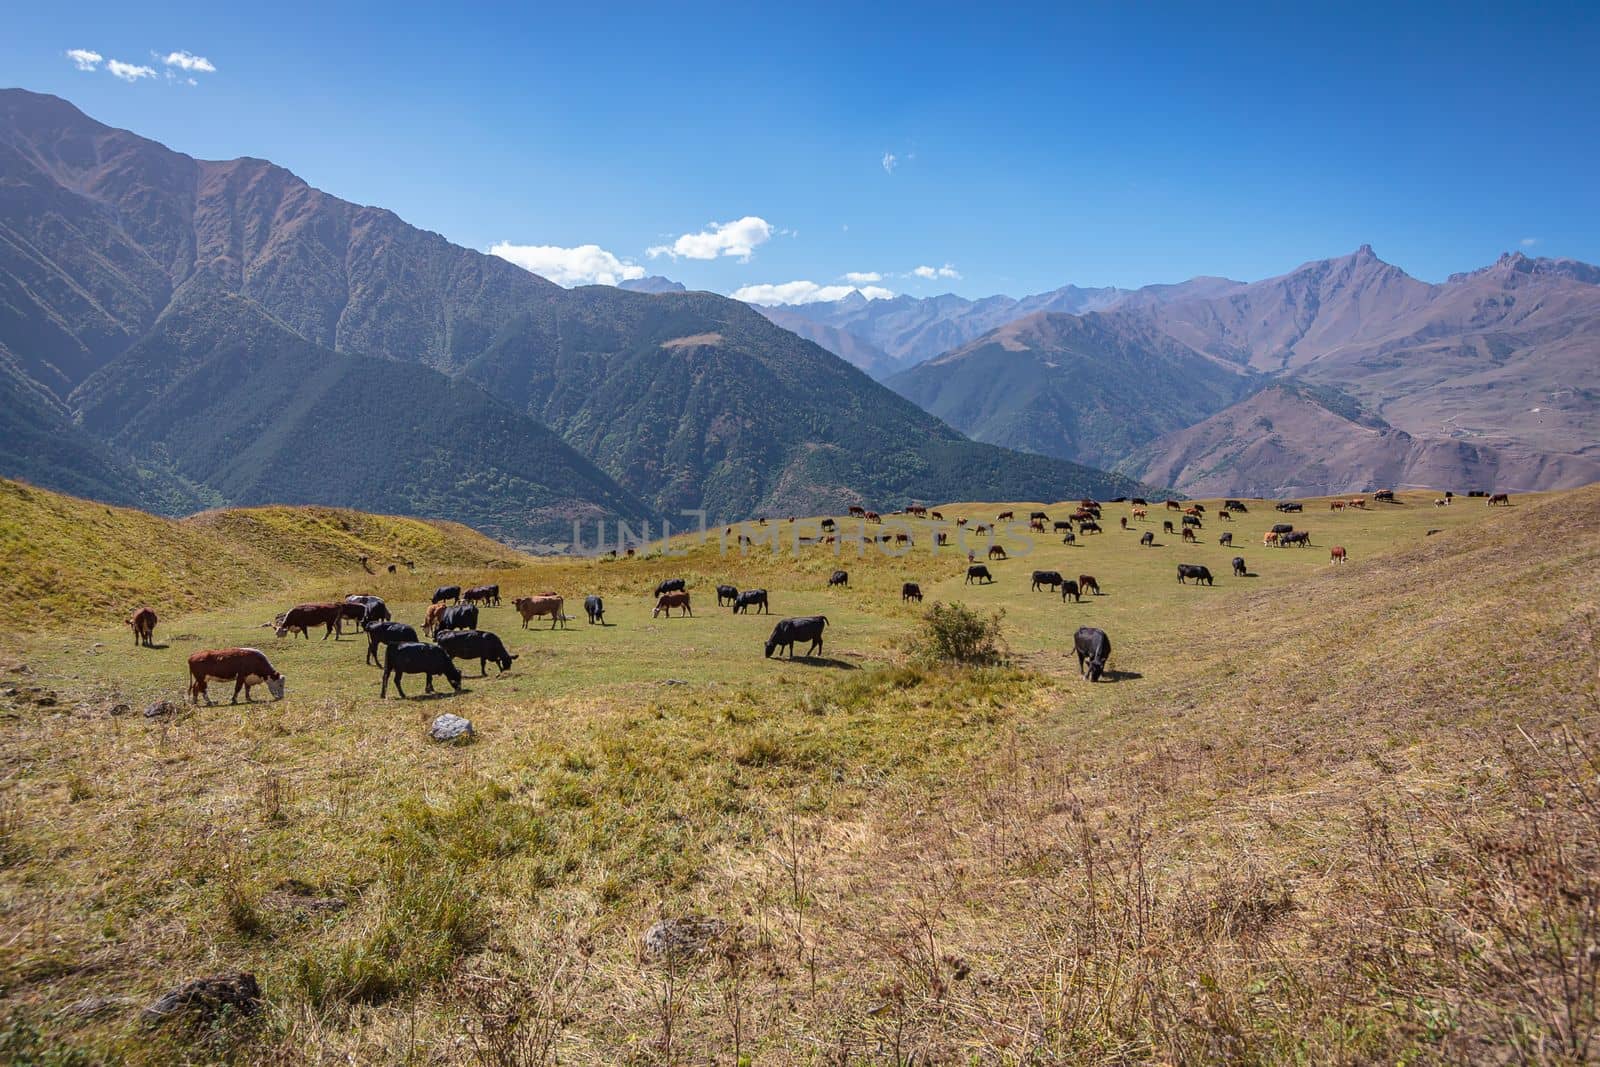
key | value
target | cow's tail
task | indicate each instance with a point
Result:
(824, 622)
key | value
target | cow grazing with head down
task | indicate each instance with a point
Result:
(1061, 524)
(1005, 516)
(1069, 538)
(430, 620)
(789, 632)
(304, 616)
(1089, 527)
(1166, 527)
(1338, 555)
(534, 607)
(1384, 495)
(488, 595)
(670, 585)
(1239, 570)
(1087, 583)
(480, 645)
(1225, 515)
(451, 593)
(1147, 539)
(910, 591)
(1069, 588)
(839, 578)
(978, 573)
(351, 611)
(997, 552)
(1225, 539)
(419, 658)
(726, 594)
(752, 598)
(244, 667)
(459, 617)
(1188, 535)
(1094, 651)
(1045, 580)
(1173, 505)
(595, 608)
(667, 601)
(1193, 570)
(143, 624)
(386, 633)
(1500, 498)
(1193, 520)
(857, 509)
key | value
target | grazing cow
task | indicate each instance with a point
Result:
(667, 601)
(386, 633)
(1384, 495)
(791, 631)
(480, 645)
(1193, 520)
(1188, 535)
(1069, 538)
(1041, 516)
(353, 611)
(961, 522)
(873, 516)
(391, 568)
(451, 593)
(533, 607)
(1089, 527)
(1440, 502)
(1270, 538)
(1087, 583)
(838, 578)
(459, 617)
(143, 623)
(1225, 539)
(752, 598)
(1141, 501)
(1337, 555)
(430, 621)
(1049, 579)
(829, 524)
(941, 538)
(1239, 570)
(1124, 521)
(304, 616)
(1147, 539)
(1166, 528)
(1231, 504)
(1281, 528)
(1289, 507)
(417, 658)
(488, 595)
(935, 516)
(1069, 588)
(1081, 514)
(244, 667)
(1173, 505)
(1094, 649)
(670, 585)
(1005, 516)
(1141, 513)
(1337, 505)
(918, 510)
(1225, 515)
(1500, 498)
(978, 573)
(1195, 571)
(376, 609)
(1062, 524)
(857, 509)
(911, 591)
(997, 552)
(595, 608)
(726, 594)
(1037, 525)
(1300, 538)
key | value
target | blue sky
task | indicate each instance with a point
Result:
(1099, 145)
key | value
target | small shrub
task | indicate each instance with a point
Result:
(955, 633)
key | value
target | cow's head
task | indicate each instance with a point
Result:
(505, 660)
(275, 686)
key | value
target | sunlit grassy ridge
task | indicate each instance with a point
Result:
(1326, 813)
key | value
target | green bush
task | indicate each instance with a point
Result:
(954, 633)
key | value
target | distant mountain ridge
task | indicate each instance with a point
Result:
(224, 330)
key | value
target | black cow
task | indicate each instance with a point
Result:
(480, 645)
(417, 658)
(978, 573)
(1195, 571)
(484, 594)
(1282, 527)
(386, 633)
(1040, 516)
(1235, 505)
(1288, 506)
(595, 608)
(1070, 538)
(1089, 527)
(726, 594)
(1062, 524)
(1166, 527)
(1045, 578)
(1141, 501)
(669, 585)
(351, 611)
(839, 578)
(451, 593)
(1298, 537)
(1193, 520)
(751, 598)
(790, 631)
(1147, 538)
(1094, 649)
(375, 609)
(1239, 570)
(1069, 588)
(911, 591)
(459, 617)
(1225, 539)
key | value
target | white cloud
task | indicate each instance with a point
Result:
(862, 277)
(1529, 242)
(719, 239)
(190, 62)
(84, 59)
(804, 292)
(946, 271)
(890, 162)
(129, 72)
(583, 265)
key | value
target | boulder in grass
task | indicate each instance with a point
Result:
(206, 999)
(688, 936)
(448, 727)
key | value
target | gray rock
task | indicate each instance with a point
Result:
(206, 998)
(687, 936)
(160, 709)
(448, 727)
(118, 709)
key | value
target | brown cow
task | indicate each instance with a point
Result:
(1087, 584)
(997, 552)
(1188, 533)
(873, 516)
(918, 510)
(1271, 538)
(1336, 505)
(1141, 513)
(1173, 505)
(143, 623)
(533, 607)
(430, 622)
(1037, 525)
(1124, 521)
(1500, 498)
(1005, 516)
(304, 616)
(244, 667)
(961, 522)
(857, 509)
(1338, 554)
(935, 516)
(667, 601)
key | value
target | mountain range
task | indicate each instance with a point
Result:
(1491, 377)
(178, 333)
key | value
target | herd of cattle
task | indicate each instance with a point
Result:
(451, 620)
